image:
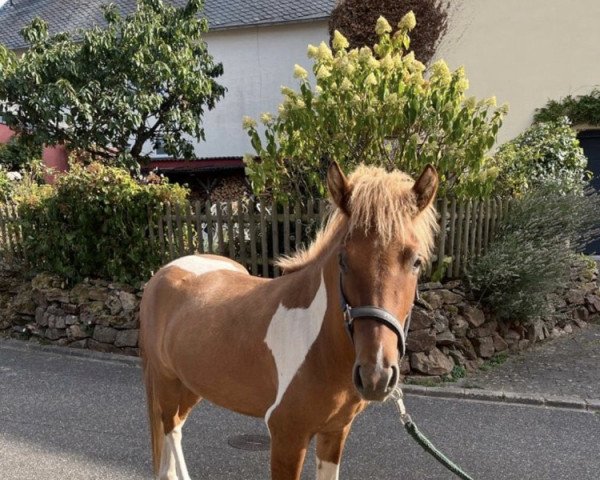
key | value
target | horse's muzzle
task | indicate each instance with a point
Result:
(374, 382)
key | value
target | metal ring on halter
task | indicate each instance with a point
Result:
(376, 313)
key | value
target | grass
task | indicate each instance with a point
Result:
(457, 373)
(495, 361)
(423, 382)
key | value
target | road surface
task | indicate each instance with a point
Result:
(65, 417)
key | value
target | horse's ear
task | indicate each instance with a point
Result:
(425, 187)
(338, 185)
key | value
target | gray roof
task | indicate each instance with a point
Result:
(68, 15)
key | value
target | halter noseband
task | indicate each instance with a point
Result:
(379, 315)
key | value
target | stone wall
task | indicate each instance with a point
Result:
(447, 330)
(93, 314)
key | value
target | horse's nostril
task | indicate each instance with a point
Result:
(357, 378)
(393, 377)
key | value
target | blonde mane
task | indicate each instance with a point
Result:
(379, 200)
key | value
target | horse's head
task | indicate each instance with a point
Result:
(391, 225)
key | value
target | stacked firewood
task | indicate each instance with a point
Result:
(230, 189)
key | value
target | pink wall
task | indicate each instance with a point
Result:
(53, 157)
(56, 159)
(5, 133)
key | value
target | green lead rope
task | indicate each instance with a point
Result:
(422, 440)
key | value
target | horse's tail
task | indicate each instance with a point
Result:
(154, 417)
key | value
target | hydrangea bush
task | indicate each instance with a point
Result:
(379, 106)
(545, 155)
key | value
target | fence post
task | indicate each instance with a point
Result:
(230, 235)
(170, 237)
(459, 235)
(210, 232)
(473, 232)
(180, 234)
(275, 230)
(190, 228)
(298, 226)
(241, 233)
(452, 231)
(480, 224)
(264, 254)
(252, 228)
(286, 228)
(441, 248)
(198, 222)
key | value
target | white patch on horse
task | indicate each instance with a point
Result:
(290, 335)
(327, 470)
(172, 463)
(201, 265)
(379, 360)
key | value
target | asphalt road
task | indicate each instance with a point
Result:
(64, 417)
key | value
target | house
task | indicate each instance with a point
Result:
(524, 53)
(258, 43)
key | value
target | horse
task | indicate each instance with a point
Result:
(306, 351)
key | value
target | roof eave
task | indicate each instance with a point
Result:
(266, 23)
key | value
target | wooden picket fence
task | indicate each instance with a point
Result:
(11, 245)
(255, 234)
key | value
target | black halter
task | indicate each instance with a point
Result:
(379, 315)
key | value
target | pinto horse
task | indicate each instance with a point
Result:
(279, 348)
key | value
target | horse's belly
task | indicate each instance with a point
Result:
(243, 383)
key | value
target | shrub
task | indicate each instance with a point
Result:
(583, 109)
(94, 222)
(377, 107)
(19, 154)
(545, 155)
(533, 251)
(6, 186)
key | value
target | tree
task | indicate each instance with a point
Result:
(355, 19)
(144, 78)
(374, 106)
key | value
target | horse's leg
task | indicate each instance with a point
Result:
(329, 453)
(288, 450)
(176, 402)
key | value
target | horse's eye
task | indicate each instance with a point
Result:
(418, 263)
(343, 263)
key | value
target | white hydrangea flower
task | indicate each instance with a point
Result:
(408, 21)
(382, 26)
(248, 122)
(300, 72)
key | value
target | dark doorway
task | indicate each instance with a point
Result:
(590, 142)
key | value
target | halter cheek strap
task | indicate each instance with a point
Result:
(376, 313)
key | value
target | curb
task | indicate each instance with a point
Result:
(476, 394)
(512, 398)
(20, 345)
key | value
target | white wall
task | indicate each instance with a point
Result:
(524, 51)
(257, 62)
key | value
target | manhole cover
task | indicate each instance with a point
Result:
(253, 443)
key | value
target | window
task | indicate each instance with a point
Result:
(159, 149)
